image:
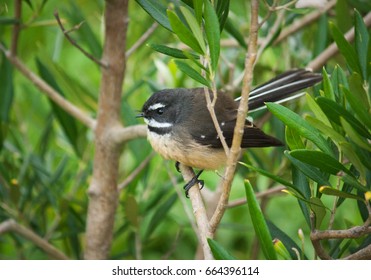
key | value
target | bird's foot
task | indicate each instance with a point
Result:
(193, 182)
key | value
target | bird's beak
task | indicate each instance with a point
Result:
(140, 115)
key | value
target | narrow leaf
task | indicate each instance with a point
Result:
(316, 109)
(334, 111)
(361, 43)
(183, 33)
(327, 86)
(335, 192)
(235, 33)
(295, 122)
(318, 209)
(320, 160)
(172, 51)
(218, 251)
(184, 67)
(356, 138)
(195, 27)
(345, 48)
(156, 11)
(293, 139)
(310, 171)
(260, 226)
(212, 30)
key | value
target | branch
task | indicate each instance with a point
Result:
(136, 172)
(303, 22)
(16, 27)
(142, 39)
(363, 254)
(73, 42)
(123, 134)
(103, 191)
(332, 50)
(241, 115)
(13, 226)
(49, 91)
(199, 212)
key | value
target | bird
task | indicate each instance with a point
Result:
(180, 127)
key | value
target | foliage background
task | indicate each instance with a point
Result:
(46, 156)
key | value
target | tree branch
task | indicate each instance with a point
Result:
(241, 115)
(103, 191)
(142, 39)
(16, 27)
(13, 226)
(73, 42)
(49, 91)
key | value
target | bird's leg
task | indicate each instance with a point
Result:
(194, 181)
(177, 166)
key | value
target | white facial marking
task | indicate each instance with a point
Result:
(203, 136)
(156, 106)
(154, 123)
(223, 123)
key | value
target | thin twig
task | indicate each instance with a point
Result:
(135, 172)
(16, 27)
(73, 42)
(49, 91)
(142, 39)
(240, 123)
(123, 134)
(13, 226)
(199, 212)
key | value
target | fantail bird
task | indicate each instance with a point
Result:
(180, 127)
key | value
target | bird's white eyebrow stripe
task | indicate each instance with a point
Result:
(156, 106)
(156, 124)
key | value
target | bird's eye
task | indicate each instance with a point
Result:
(160, 111)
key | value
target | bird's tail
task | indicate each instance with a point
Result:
(282, 88)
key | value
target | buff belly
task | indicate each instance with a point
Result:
(194, 155)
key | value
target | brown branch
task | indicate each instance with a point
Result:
(363, 254)
(241, 115)
(355, 232)
(199, 212)
(303, 22)
(103, 191)
(49, 91)
(73, 43)
(142, 39)
(123, 134)
(16, 27)
(332, 50)
(13, 226)
(135, 172)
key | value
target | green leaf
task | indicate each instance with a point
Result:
(334, 111)
(345, 48)
(6, 96)
(353, 182)
(361, 43)
(358, 107)
(184, 34)
(195, 27)
(286, 240)
(222, 10)
(354, 136)
(235, 33)
(131, 211)
(356, 87)
(335, 192)
(302, 183)
(295, 122)
(276, 178)
(326, 130)
(160, 214)
(67, 122)
(260, 226)
(172, 52)
(197, 6)
(327, 86)
(212, 30)
(320, 160)
(318, 209)
(310, 171)
(191, 72)
(156, 11)
(218, 251)
(352, 156)
(316, 109)
(293, 139)
(8, 20)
